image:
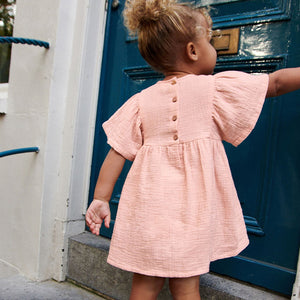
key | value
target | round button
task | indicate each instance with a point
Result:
(174, 118)
(175, 137)
(174, 99)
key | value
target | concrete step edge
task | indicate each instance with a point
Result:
(87, 266)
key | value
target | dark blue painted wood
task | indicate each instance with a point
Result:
(236, 13)
(266, 167)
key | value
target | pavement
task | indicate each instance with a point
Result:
(14, 286)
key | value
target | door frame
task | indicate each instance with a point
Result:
(87, 104)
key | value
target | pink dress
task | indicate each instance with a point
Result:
(179, 209)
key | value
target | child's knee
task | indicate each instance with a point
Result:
(146, 287)
(185, 288)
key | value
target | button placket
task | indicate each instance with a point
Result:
(174, 112)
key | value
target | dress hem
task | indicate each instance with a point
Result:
(200, 271)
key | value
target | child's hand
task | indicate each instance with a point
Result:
(97, 212)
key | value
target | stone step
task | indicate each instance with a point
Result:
(87, 266)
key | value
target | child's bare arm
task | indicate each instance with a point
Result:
(99, 210)
(283, 81)
(109, 173)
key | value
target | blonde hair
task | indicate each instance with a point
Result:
(163, 27)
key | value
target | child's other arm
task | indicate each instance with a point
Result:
(283, 81)
(99, 210)
(109, 173)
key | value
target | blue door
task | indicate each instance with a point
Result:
(266, 167)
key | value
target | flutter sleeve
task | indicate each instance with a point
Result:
(123, 129)
(237, 103)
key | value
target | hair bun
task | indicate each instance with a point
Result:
(140, 12)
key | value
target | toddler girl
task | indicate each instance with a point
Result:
(179, 209)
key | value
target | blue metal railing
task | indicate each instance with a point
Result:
(19, 151)
(16, 40)
(10, 40)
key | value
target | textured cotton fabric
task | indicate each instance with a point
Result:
(179, 209)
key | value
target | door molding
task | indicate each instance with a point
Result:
(237, 13)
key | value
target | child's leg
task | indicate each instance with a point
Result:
(185, 288)
(146, 287)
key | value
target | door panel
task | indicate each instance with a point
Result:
(266, 167)
(245, 12)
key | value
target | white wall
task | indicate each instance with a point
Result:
(52, 99)
(24, 125)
